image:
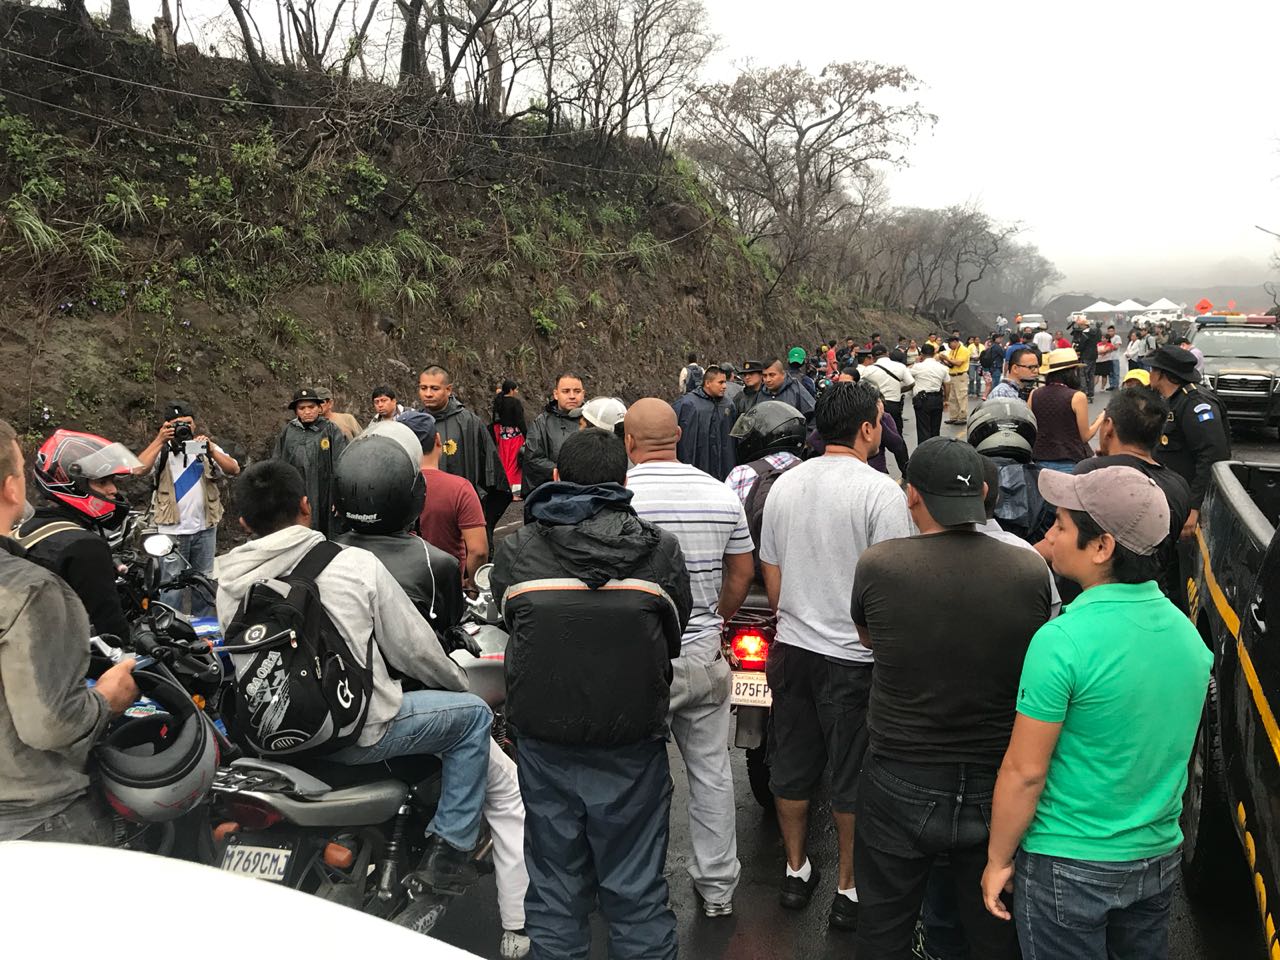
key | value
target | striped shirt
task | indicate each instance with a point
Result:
(708, 520)
(742, 480)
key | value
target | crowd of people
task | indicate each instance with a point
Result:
(1041, 750)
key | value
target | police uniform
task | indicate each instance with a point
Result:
(1196, 435)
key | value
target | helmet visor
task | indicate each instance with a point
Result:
(115, 459)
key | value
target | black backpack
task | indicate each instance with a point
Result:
(753, 506)
(693, 379)
(298, 691)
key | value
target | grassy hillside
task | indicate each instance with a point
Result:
(163, 236)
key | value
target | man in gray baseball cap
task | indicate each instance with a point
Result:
(1111, 693)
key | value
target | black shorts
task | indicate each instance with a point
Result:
(818, 722)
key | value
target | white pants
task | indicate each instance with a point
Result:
(504, 812)
(700, 722)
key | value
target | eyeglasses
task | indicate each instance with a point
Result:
(1028, 366)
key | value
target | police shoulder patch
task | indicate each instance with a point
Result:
(1201, 408)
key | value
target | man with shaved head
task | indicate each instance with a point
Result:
(707, 519)
(466, 445)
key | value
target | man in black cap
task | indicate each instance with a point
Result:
(1196, 435)
(312, 444)
(185, 502)
(942, 700)
(752, 383)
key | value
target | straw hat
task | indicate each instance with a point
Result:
(1063, 359)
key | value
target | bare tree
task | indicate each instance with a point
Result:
(803, 145)
(622, 62)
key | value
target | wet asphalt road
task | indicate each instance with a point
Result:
(1225, 930)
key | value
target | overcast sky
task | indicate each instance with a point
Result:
(1137, 142)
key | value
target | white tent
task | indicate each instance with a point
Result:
(1100, 306)
(1129, 306)
(1164, 303)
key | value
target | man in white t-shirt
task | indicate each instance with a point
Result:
(186, 504)
(708, 520)
(819, 518)
(1043, 340)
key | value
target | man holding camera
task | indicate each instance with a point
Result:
(186, 504)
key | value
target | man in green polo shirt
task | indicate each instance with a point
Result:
(1108, 706)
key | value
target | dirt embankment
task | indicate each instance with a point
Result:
(163, 236)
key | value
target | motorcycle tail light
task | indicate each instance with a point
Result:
(251, 815)
(750, 647)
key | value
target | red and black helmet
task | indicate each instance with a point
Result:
(68, 460)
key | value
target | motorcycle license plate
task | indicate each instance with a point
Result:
(750, 689)
(263, 863)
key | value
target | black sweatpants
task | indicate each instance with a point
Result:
(596, 829)
(894, 409)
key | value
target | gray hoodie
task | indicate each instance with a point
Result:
(361, 597)
(49, 719)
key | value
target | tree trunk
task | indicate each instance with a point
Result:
(77, 10)
(120, 18)
(411, 45)
(265, 83)
(166, 37)
(447, 74)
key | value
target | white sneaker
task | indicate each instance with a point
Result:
(724, 909)
(514, 946)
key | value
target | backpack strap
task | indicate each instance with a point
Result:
(44, 533)
(313, 564)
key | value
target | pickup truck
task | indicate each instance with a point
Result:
(1230, 813)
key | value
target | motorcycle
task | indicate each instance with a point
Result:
(745, 641)
(356, 835)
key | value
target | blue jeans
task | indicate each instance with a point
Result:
(455, 727)
(997, 373)
(1113, 382)
(975, 380)
(1083, 909)
(1062, 466)
(198, 550)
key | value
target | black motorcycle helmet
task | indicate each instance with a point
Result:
(378, 486)
(1003, 428)
(771, 426)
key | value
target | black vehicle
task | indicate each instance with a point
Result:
(1242, 365)
(356, 834)
(1234, 775)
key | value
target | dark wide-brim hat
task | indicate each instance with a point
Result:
(304, 393)
(1181, 363)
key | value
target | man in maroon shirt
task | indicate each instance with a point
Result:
(452, 518)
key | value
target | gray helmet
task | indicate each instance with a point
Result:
(1003, 428)
(158, 760)
(378, 485)
(771, 426)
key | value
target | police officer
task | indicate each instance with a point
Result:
(1196, 435)
(752, 384)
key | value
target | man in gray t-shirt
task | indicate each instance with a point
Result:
(819, 518)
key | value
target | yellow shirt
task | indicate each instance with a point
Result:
(959, 360)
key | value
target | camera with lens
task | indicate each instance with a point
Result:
(181, 434)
